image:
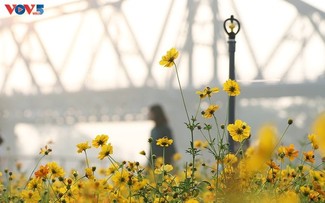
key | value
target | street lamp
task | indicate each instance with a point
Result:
(231, 27)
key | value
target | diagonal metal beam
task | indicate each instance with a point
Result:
(92, 60)
(149, 76)
(297, 56)
(69, 50)
(218, 34)
(305, 8)
(278, 44)
(192, 9)
(25, 60)
(115, 46)
(189, 44)
(135, 41)
(48, 60)
(8, 71)
(94, 55)
(316, 28)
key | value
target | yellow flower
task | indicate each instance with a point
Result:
(164, 142)
(70, 195)
(305, 190)
(106, 150)
(317, 176)
(309, 156)
(198, 144)
(267, 139)
(288, 197)
(55, 169)
(313, 141)
(83, 147)
(120, 177)
(230, 159)
(262, 153)
(168, 59)
(164, 168)
(231, 87)
(250, 151)
(207, 92)
(89, 173)
(209, 196)
(314, 196)
(35, 184)
(138, 184)
(100, 140)
(30, 196)
(290, 152)
(273, 166)
(159, 162)
(42, 172)
(111, 169)
(288, 173)
(192, 200)
(208, 113)
(319, 131)
(239, 131)
(45, 151)
(177, 157)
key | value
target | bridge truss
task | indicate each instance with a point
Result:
(97, 60)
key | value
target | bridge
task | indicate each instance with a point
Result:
(93, 61)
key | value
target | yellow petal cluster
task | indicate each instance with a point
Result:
(164, 142)
(168, 59)
(231, 87)
(239, 131)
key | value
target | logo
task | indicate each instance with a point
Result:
(20, 9)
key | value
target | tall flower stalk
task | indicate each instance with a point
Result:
(168, 61)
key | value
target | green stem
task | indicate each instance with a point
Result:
(189, 122)
(240, 148)
(212, 148)
(193, 155)
(113, 162)
(285, 131)
(87, 161)
(163, 166)
(197, 110)
(39, 160)
(226, 124)
(181, 90)
(217, 125)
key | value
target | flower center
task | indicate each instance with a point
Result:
(239, 131)
(164, 143)
(171, 60)
(232, 89)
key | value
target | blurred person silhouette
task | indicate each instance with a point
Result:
(160, 130)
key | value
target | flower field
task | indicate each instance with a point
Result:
(266, 171)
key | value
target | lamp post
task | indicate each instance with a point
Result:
(231, 27)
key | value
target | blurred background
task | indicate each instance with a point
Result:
(91, 67)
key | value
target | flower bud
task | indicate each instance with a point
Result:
(150, 140)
